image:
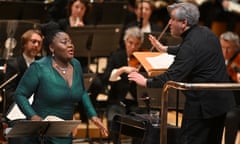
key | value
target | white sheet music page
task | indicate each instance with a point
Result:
(53, 118)
(162, 61)
(16, 113)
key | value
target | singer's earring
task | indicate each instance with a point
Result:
(53, 54)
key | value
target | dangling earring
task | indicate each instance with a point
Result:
(53, 54)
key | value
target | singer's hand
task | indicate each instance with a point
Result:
(138, 78)
(36, 118)
(155, 43)
(100, 125)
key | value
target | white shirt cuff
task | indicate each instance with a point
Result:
(114, 76)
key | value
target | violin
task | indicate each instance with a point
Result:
(133, 62)
(234, 67)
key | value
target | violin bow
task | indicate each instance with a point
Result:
(161, 35)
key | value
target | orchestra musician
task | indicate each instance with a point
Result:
(31, 43)
(231, 50)
(122, 98)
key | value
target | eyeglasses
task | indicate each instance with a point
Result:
(36, 41)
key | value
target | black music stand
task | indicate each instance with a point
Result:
(82, 39)
(108, 12)
(43, 129)
(31, 10)
(95, 41)
(105, 40)
(9, 10)
(34, 10)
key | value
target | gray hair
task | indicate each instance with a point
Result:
(134, 32)
(186, 11)
(230, 36)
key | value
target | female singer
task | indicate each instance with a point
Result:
(57, 84)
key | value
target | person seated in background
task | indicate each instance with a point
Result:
(77, 10)
(56, 81)
(122, 96)
(231, 50)
(143, 11)
(231, 6)
(31, 45)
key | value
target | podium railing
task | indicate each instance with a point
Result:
(186, 86)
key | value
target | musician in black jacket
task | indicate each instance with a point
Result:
(122, 98)
(198, 59)
(31, 43)
(231, 50)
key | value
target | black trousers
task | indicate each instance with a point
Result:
(202, 131)
(232, 125)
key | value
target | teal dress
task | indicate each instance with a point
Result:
(52, 95)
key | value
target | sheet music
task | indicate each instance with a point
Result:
(16, 113)
(162, 61)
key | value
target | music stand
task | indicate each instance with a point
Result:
(33, 11)
(43, 129)
(95, 41)
(9, 10)
(82, 40)
(108, 12)
(105, 40)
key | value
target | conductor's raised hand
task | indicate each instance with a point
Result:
(155, 43)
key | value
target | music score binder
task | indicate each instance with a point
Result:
(27, 128)
(142, 57)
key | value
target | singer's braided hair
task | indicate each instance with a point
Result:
(49, 31)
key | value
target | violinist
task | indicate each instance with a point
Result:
(122, 98)
(231, 51)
